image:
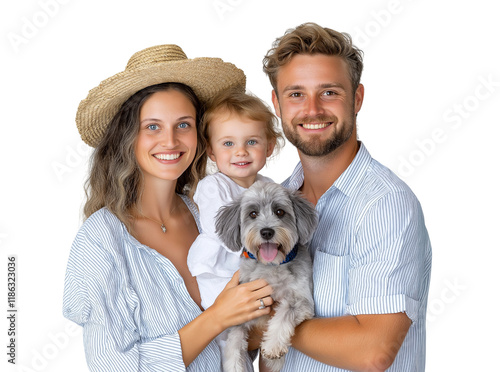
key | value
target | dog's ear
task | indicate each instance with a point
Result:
(227, 225)
(305, 216)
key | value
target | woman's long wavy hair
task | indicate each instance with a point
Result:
(116, 180)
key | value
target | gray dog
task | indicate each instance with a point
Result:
(273, 225)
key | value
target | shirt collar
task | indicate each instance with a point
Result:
(348, 180)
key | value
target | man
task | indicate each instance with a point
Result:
(371, 251)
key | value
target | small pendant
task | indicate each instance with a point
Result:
(163, 228)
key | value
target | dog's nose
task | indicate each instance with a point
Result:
(267, 233)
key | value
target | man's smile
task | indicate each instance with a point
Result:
(315, 125)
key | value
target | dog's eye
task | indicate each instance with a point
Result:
(253, 214)
(279, 212)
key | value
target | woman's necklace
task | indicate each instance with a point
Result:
(163, 228)
(162, 225)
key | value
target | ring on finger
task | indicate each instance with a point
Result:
(262, 304)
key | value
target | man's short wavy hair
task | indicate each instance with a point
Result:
(310, 38)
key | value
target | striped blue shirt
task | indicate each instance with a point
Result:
(130, 300)
(372, 255)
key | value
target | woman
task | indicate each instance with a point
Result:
(127, 281)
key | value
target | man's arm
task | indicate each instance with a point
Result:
(358, 343)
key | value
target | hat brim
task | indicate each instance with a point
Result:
(206, 76)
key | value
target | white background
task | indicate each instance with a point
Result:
(432, 83)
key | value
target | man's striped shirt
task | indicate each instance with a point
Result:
(371, 255)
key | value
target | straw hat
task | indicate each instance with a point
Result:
(154, 65)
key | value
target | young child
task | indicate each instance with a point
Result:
(241, 134)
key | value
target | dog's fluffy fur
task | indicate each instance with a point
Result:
(269, 213)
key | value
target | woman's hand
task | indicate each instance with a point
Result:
(239, 303)
(236, 304)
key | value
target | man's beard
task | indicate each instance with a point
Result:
(315, 146)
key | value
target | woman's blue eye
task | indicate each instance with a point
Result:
(252, 142)
(183, 125)
(153, 126)
(227, 143)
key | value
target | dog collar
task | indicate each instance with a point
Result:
(290, 256)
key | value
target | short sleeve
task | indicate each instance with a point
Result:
(99, 297)
(208, 255)
(211, 194)
(390, 260)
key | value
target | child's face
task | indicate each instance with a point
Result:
(239, 146)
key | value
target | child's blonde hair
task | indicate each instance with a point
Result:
(247, 106)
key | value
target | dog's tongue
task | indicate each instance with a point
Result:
(268, 251)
